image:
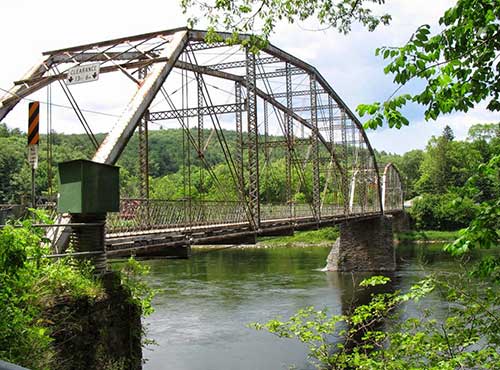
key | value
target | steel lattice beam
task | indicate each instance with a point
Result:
(289, 137)
(316, 196)
(242, 63)
(100, 57)
(281, 73)
(284, 143)
(159, 52)
(296, 93)
(143, 148)
(307, 108)
(239, 134)
(253, 140)
(196, 46)
(197, 111)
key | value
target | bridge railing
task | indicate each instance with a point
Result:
(302, 210)
(331, 210)
(154, 214)
(274, 211)
(141, 214)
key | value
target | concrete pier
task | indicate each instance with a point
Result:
(364, 245)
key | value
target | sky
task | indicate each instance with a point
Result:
(346, 61)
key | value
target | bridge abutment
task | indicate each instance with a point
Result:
(401, 222)
(364, 245)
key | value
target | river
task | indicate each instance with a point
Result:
(205, 303)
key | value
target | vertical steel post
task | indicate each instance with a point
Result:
(345, 159)
(364, 171)
(239, 136)
(355, 162)
(266, 133)
(49, 142)
(289, 139)
(200, 128)
(331, 137)
(143, 148)
(331, 124)
(253, 140)
(33, 193)
(316, 200)
(384, 186)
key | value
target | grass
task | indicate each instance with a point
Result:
(313, 237)
(328, 235)
(426, 235)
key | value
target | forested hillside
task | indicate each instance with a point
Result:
(165, 158)
(435, 177)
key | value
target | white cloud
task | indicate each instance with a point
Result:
(418, 133)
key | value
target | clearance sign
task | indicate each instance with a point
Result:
(33, 133)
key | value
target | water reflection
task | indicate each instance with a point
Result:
(351, 294)
(205, 303)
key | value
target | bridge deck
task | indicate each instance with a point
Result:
(143, 242)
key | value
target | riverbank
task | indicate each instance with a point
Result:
(321, 237)
(327, 236)
(426, 236)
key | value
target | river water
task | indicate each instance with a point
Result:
(205, 303)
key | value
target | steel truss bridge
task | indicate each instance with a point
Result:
(270, 114)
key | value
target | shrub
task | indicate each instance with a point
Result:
(380, 335)
(442, 212)
(28, 284)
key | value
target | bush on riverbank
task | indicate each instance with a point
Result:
(443, 212)
(28, 285)
(326, 235)
(50, 309)
(426, 235)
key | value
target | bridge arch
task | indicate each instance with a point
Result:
(328, 159)
(392, 189)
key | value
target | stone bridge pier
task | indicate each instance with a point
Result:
(364, 245)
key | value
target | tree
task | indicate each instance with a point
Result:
(409, 166)
(12, 161)
(447, 164)
(448, 133)
(484, 132)
(259, 17)
(459, 65)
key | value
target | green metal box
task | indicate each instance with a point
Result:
(88, 187)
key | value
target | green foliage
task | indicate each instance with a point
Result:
(447, 164)
(488, 132)
(484, 230)
(28, 284)
(427, 235)
(374, 281)
(458, 64)
(442, 212)
(11, 164)
(468, 336)
(132, 277)
(260, 17)
(314, 237)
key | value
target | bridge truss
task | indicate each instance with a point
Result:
(271, 114)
